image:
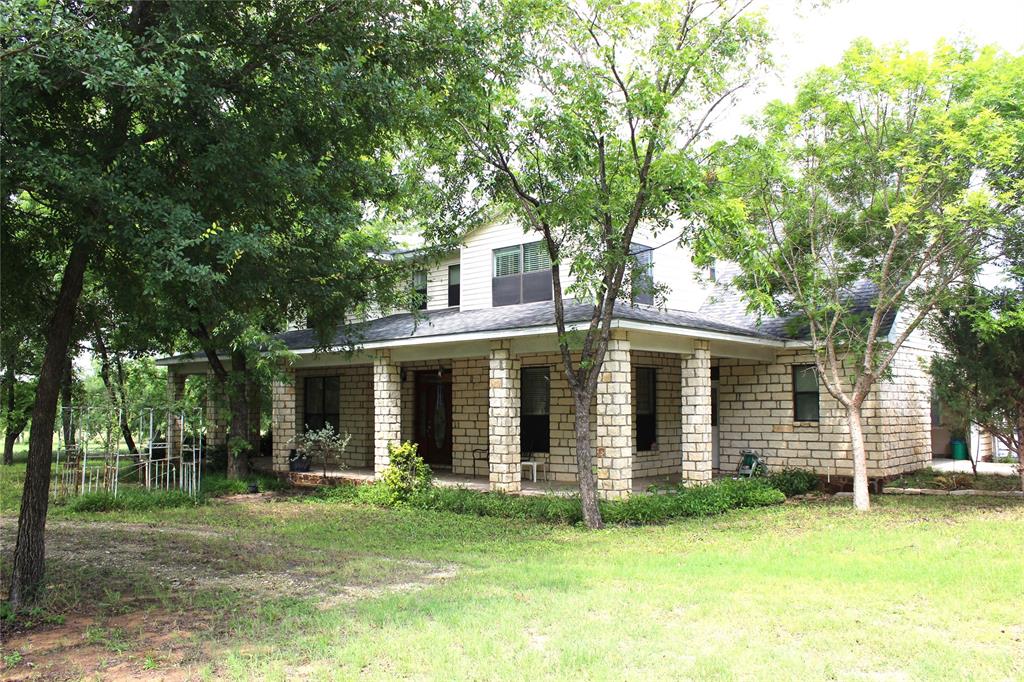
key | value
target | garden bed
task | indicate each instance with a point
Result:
(933, 482)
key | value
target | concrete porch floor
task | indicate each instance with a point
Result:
(446, 479)
(962, 466)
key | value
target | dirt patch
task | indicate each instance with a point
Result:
(141, 645)
(139, 601)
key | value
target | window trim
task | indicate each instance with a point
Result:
(423, 292)
(323, 378)
(816, 393)
(517, 284)
(538, 418)
(455, 288)
(647, 277)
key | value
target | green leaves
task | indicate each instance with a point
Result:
(890, 167)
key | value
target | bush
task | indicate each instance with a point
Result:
(406, 475)
(218, 485)
(794, 481)
(706, 500)
(130, 500)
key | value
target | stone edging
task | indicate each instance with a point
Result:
(930, 491)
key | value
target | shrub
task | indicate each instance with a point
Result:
(706, 500)
(218, 485)
(794, 481)
(130, 500)
(405, 476)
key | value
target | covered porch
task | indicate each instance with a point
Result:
(479, 409)
(446, 479)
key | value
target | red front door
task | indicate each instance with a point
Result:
(433, 411)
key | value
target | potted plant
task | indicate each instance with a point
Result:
(298, 460)
(325, 444)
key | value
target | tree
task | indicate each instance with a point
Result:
(136, 134)
(883, 170)
(590, 122)
(980, 376)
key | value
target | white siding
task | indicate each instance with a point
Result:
(437, 283)
(477, 261)
(673, 268)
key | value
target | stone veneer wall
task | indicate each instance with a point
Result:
(355, 404)
(283, 420)
(755, 411)
(469, 404)
(469, 415)
(695, 386)
(897, 416)
(665, 459)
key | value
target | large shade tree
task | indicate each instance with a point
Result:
(172, 150)
(589, 122)
(883, 175)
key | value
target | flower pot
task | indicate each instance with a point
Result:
(254, 488)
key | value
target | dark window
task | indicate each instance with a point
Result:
(805, 393)
(646, 408)
(419, 287)
(522, 274)
(713, 270)
(535, 409)
(454, 279)
(321, 403)
(643, 274)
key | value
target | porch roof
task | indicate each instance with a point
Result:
(428, 326)
(451, 321)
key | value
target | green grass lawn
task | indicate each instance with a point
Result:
(921, 588)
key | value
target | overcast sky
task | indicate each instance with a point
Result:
(808, 37)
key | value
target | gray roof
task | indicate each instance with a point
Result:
(436, 323)
(727, 306)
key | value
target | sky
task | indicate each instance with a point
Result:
(808, 36)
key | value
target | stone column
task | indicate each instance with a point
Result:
(282, 417)
(696, 417)
(614, 454)
(503, 439)
(175, 393)
(387, 408)
(216, 413)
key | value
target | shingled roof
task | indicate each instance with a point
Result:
(439, 323)
(727, 306)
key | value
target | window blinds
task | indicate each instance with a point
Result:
(535, 390)
(536, 257)
(506, 262)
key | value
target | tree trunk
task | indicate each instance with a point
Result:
(255, 399)
(116, 396)
(9, 439)
(29, 549)
(585, 463)
(861, 500)
(126, 429)
(239, 445)
(67, 416)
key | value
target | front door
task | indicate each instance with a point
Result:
(433, 412)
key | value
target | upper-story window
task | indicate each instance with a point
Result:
(643, 274)
(454, 278)
(419, 288)
(522, 274)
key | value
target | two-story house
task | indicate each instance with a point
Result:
(476, 380)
